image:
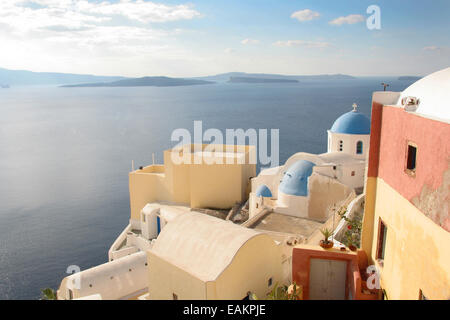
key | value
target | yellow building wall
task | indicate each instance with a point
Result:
(216, 186)
(256, 261)
(165, 279)
(417, 252)
(196, 185)
(368, 230)
(252, 267)
(145, 188)
(178, 178)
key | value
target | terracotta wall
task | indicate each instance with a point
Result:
(431, 179)
(301, 258)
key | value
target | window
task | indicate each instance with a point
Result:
(70, 294)
(359, 147)
(341, 145)
(174, 296)
(353, 173)
(269, 283)
(382, 232)
(411, 158)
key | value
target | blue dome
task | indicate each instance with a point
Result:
(352, 122)
(263, 191)
(295, 180)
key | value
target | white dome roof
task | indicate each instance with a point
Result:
(434, 94)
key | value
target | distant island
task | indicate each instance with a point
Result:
(409, 78)
(144, 82)
(260, 80)
(24, 78)
(225, 77)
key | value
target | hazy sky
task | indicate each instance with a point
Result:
(201, 37)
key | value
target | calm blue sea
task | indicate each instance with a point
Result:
(65, 154)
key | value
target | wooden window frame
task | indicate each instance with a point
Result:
(410, 172)
(381, 250)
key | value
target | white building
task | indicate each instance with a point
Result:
(308, 184)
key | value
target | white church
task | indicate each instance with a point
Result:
(308, 184)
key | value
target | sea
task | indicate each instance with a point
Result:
(65, 155)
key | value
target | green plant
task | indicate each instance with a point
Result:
(48, 294)
(252, 296)
(342, 211)
(352, 235)
(292, 292)
(326, 234)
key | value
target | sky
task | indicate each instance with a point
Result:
(203, 37)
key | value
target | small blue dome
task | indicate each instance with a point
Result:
(295, 180)
(263, 191)
(352, 122)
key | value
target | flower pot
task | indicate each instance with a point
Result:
(352, 247)
(343, 249)
(326, 245)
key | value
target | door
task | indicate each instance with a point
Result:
(327, 279)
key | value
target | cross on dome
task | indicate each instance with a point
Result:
(355, 107)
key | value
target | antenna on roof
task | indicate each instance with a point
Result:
(355, 107)
(385, 85)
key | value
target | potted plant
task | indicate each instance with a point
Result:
(291, 292)
(326, 243)
(352, 235)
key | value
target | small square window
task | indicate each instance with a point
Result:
(269, 283)
(174, 296)
(411, 158)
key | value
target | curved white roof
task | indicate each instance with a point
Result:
(434, 94)
(202, 245)
(112, 280)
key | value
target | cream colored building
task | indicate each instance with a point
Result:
(201, 257)
(206, 179)
(210, 176)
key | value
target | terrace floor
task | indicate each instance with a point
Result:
(282, 223)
